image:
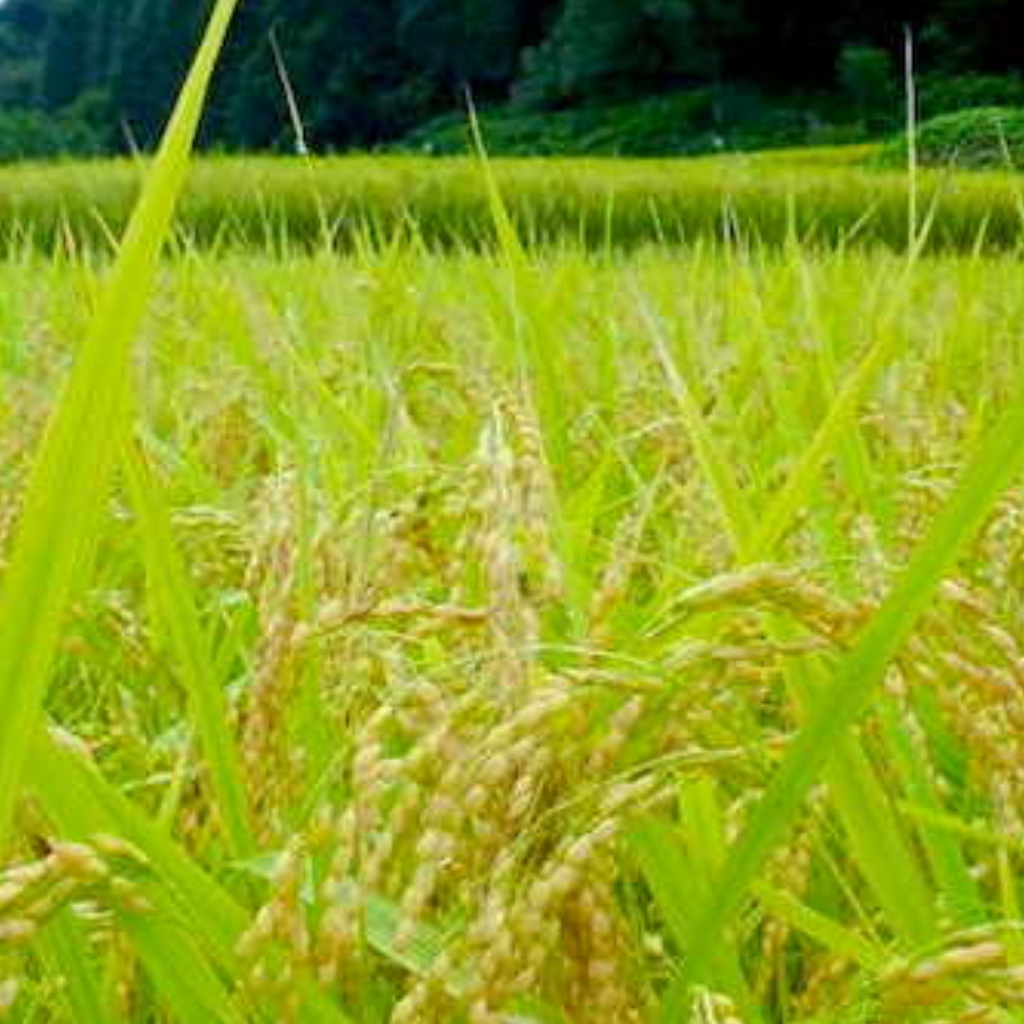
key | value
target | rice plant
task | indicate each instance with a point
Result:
(823, 197)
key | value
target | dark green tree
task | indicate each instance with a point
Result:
(64, 73)
(974, 35)
(462, 43)
(366, 71)
(22, 24)
(608, 50)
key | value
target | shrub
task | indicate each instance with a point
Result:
(28, 135)
(683, 124)
(991, 137)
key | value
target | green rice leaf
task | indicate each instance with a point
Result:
(991, 469)
(679, 885)
(178, 618)
(828, 933)
(726, 491)
(65, 951)
(72, 473)
(81, 803)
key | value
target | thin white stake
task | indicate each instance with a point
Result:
(301, 143)
(912, 162)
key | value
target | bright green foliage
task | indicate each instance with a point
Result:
(988, 137)
(53, 546)
(174, 605)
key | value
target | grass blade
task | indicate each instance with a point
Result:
(835, 430)
(883, 854)
(945, 854)
(726, 490)
(81, 803)
(179, 619)
(829, 934)
(879, 845)
(675, 882)
(173, 958)
(64, 949)
(75, 464)
(987, 475)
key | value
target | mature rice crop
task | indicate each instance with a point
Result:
(430, 666)
(822, 198)
(555, 634)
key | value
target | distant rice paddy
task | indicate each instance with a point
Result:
(821, 198)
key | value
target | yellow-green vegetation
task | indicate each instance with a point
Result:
(509, 634)
(824, 197)
(989, 137)
(506, 612)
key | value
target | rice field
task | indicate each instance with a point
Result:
(438, 625)
(502, 635)
(819, 198)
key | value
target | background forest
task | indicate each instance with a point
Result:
(650, 76)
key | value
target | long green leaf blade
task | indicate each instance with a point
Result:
(987, 475)
(179, 619)
(73, 469)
